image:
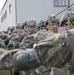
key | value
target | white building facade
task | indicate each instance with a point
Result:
(19, 11)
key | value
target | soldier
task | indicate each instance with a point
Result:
(19, 28)
(53, 24)
(32, 24)
(47, 31)
(67, 24)
(64, 22)
(3, 36)
(26, 28)
(28, 41)
(42, 31)
(10, 30)
(20, 34)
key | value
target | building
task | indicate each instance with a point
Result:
(18, 11)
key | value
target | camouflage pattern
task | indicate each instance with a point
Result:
(25, 23)
(15, 41)
(52, 19)
(10, 30)
(19, 25)
(41, 23)
(53, 23)
(65, 18)
(27, 42)
(49, 49)
(32, 22)
(55, 51)
(6, 59)
(59, 71)
(41, 35)
(42, 32)
(2, 44)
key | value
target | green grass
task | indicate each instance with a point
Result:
(4, 72)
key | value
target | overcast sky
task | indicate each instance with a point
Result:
(2, 3)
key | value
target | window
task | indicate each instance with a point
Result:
(10, 8)
(4, 16)
(60, 3)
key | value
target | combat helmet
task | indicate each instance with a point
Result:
(12, 28)
(41, 24)
(52, 19)
(49, 18)
(32, 22)
(65, 18)
(19, 25)
(24, 23)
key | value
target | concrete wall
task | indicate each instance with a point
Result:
(38, 9)
(23, 10)
(10, 20)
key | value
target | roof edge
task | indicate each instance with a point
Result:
(3, 5)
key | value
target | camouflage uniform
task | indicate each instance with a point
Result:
(39, 36)
(64, 24)
(3, 36)
(42, 69)
(50, 26)
(10, 30)
(14, 43)
(28, 41)
(32, 24)
(26, 28)
(42, 32)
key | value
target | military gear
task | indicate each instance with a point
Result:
(41, 35)
(2, 44)
(3, 36)
(10, 29)
(25, 23)
(31, 61)
(66, 23)
(19, 25)
(41, 24)
(27, 42)
(59, 71)
(42, 70)
(15, 41)
(49, 18)
(53, 19)
(5, 59)
(32, 22)
(55, 51)
(65, 19)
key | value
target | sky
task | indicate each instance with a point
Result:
(2, 3)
